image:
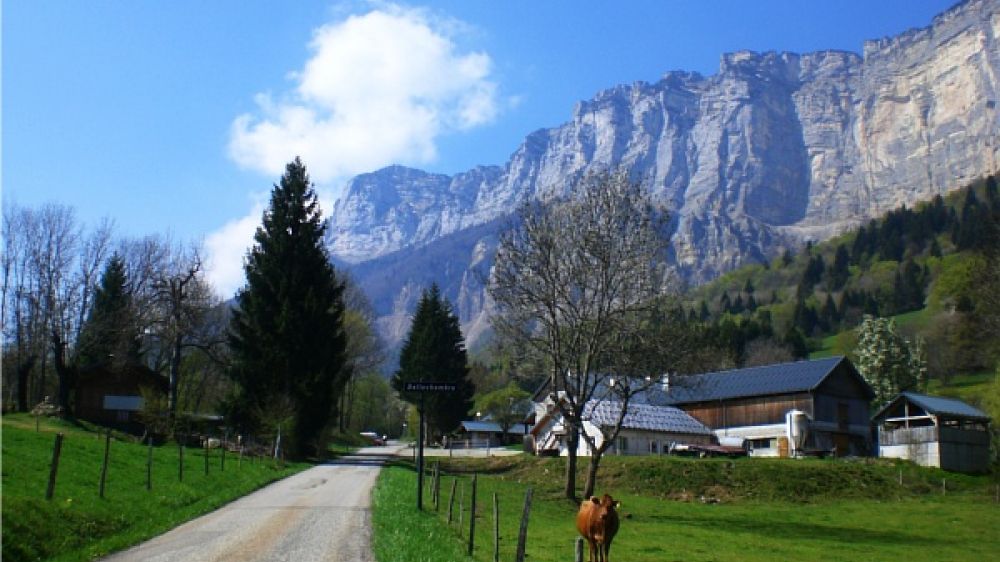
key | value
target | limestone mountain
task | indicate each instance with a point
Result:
(773, 150)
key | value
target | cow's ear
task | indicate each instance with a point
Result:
(618, 504)
(595, 500)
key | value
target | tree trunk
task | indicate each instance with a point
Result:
(595, 461)
(175, 371)
(64, 373)
(572, 442)
(23, 373)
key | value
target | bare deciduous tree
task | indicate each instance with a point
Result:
(575, 281)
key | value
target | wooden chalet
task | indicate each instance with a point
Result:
(934, 431)
(755, 404)
(113, 397)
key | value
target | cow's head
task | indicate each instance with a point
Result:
(605, 505)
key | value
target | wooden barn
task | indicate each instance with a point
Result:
(113, 397)
(828, 397)
(934, 431)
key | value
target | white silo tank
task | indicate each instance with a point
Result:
(797, 426)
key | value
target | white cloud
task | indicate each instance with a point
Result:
(380, 88)
(226, 248)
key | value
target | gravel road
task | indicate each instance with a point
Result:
(320, 514)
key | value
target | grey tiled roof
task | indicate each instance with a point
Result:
(491, 427)
(644, 416)
(938, 405)
(799, 376)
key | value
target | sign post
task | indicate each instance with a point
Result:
(424, 387)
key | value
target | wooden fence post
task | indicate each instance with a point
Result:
(496, 528)
(461, 508)
(104, 466)
(437, 486)
(205, 449)
(222, 466)
(451, 499)
(522, 535)
(578, 552)
(56, 450)
(472, 515)
(149, 465)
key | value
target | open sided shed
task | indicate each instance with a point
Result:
(934, 431)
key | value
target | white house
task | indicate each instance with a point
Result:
(646, 429)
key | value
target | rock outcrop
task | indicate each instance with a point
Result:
(775, 149)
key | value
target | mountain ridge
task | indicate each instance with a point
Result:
(774, 149)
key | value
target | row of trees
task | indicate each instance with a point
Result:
(74, 299)
(293, 356)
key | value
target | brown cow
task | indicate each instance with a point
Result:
(597, 521)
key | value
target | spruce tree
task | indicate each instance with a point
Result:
(110, 336)
(434, 351)
(286, 331)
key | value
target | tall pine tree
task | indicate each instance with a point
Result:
(435, 351)
(286, 332)
(110, 336)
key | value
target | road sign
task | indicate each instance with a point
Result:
(423, 386)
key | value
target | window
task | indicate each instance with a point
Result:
(654, 447)
(623, 444)
(761, 443)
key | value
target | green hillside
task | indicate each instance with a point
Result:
(926, 267)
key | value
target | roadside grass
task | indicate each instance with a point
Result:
(400, 533)
(77, 524)
(811, 510)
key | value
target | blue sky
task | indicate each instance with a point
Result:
(176, 117)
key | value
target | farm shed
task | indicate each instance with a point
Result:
(114, 396)
(488, 433)
(754, 403)
(646, 429)
(934, 431)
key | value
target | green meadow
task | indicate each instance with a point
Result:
(79, 525)
(702, 510)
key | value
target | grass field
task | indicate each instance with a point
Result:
(815, 510)
(77, 524)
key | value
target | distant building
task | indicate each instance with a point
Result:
(487, 433)
(828, 397)
(934, 431)
(803, 407)
(646, 429)
(113, 397)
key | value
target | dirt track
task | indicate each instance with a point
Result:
(321, 514)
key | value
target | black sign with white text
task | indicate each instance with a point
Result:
(430, 387)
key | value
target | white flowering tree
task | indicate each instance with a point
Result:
(887, 360)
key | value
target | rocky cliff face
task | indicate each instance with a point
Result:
(775, 149)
